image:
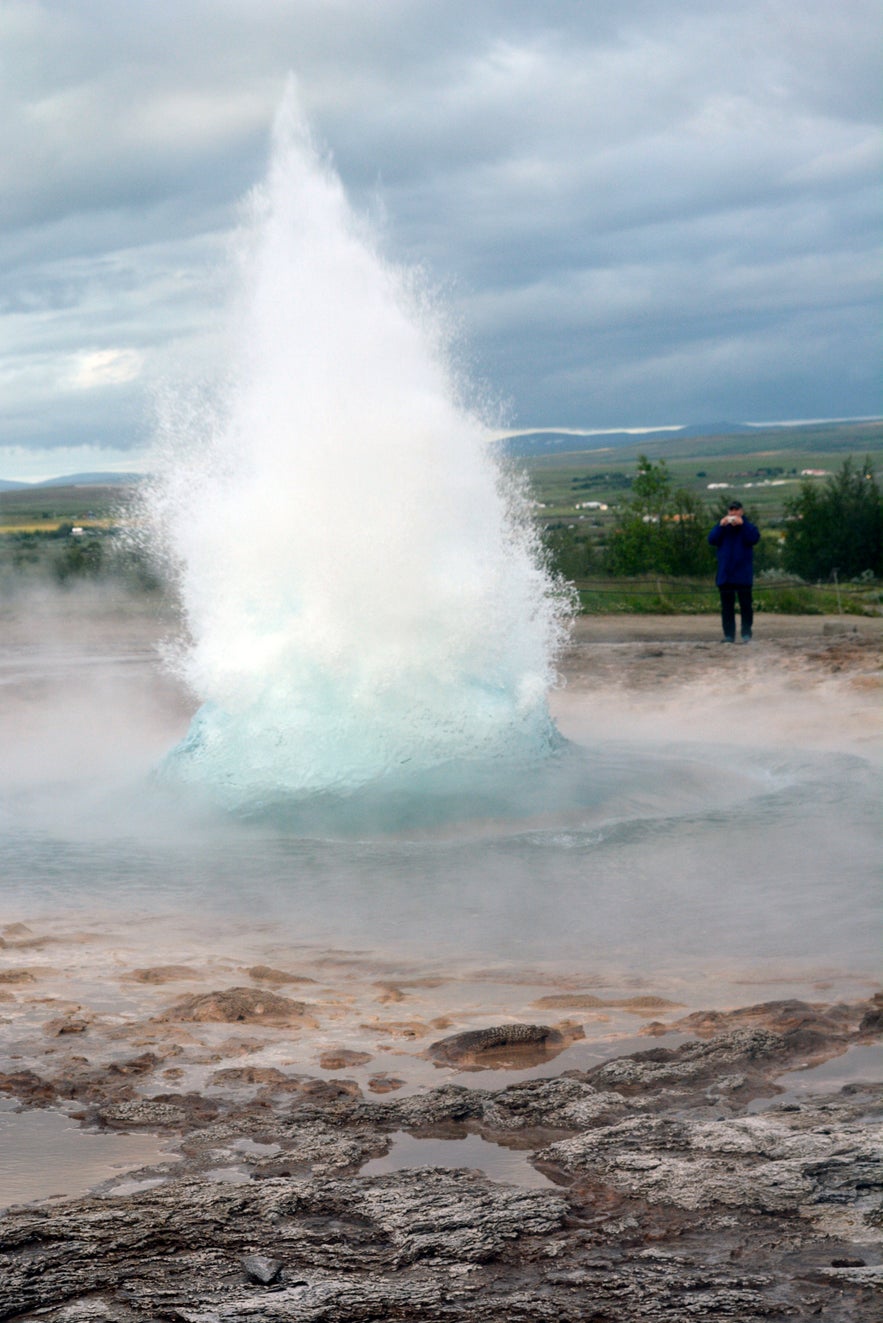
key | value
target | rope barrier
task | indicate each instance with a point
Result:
(679, 588)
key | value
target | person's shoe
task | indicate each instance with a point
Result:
(746, 636)
(727, 639)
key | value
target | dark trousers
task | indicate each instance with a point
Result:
(729, 592)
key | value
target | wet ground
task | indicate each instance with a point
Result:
(633, 1138)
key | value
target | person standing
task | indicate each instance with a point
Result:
(734, 539)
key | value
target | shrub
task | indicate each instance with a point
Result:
(81, 558)
(836, 529)
(661, 529)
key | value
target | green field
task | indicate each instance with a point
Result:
(763, 469)
(67, 534)
(43, 509)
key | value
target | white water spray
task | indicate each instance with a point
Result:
(363, 591)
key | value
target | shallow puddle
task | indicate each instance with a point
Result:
(506, 1165)
(45, 1154)
(228, 1176)
(862, 1064)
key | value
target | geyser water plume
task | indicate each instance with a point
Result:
(363, 590)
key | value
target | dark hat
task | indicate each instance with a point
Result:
(735, 505)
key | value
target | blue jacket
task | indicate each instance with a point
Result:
(734, 544)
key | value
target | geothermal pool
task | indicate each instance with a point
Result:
(689, 866)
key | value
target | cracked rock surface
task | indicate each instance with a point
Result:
(682, 1185)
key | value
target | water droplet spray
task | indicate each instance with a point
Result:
(363, 588)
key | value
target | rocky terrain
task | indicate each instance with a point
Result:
(683, 1182)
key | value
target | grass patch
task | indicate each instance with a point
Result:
(651, 595)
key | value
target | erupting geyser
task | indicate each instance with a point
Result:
(364, 593)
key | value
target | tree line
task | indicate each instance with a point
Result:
(832, 530)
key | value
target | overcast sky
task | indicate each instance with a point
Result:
(641, 211)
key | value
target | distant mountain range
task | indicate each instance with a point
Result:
(535, 442)
(76, 480)
(541, 442)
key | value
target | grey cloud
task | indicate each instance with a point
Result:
(641, 211)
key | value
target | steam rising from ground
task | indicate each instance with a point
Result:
(363, 591)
